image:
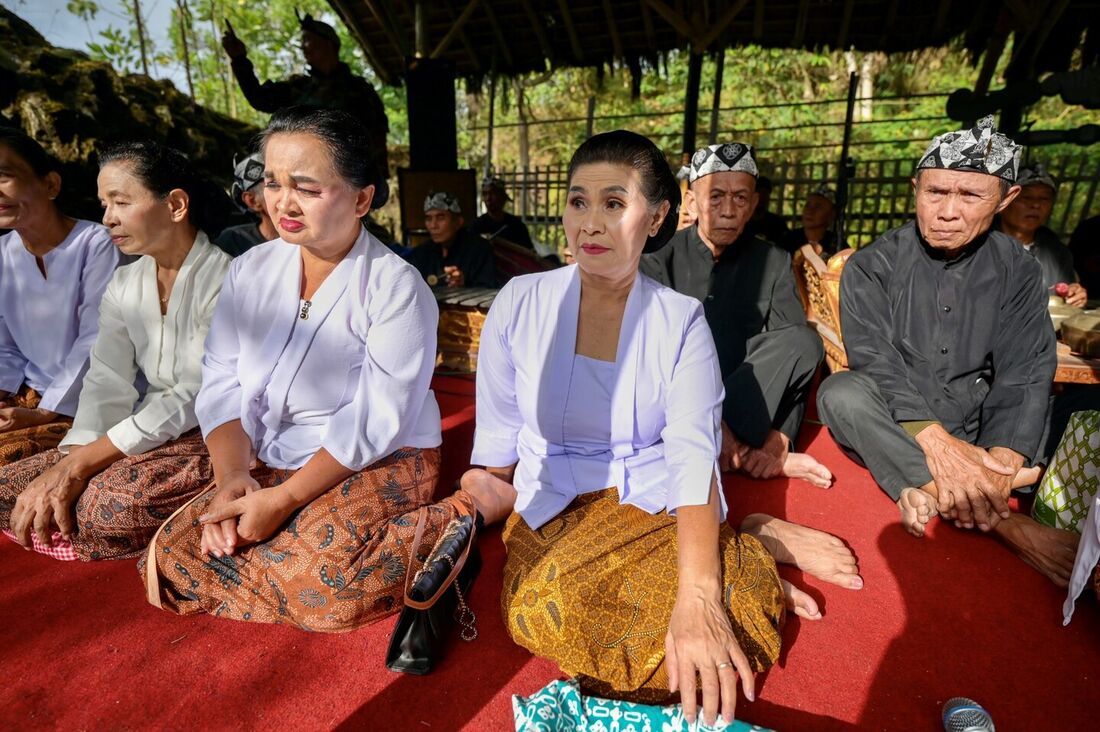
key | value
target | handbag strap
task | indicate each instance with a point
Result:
(455, 568)
(152, 574)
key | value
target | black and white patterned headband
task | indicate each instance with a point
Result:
(441, 201)
(981, 149)
(731, 157)
(1036, 173)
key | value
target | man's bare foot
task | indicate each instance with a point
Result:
(1048, 550)
(804, 467)
(799, 602)
(917, 509)
(493, 497)
(820, 554)
(1027, 476)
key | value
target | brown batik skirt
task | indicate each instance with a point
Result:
(19, 444)
(122, 507)
(339, 563)
(594, 589)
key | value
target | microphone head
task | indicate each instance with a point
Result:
(966, 715)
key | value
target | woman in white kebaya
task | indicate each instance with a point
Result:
(130, 459)
(53, 269)
(316, 407)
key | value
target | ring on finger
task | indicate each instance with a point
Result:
(723, 665)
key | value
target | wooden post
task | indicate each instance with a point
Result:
(844, 170)
(691, 105)
(492, 118)
(590, 122)
(420, 20)
(719, 66)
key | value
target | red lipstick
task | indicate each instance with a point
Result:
(291, 225)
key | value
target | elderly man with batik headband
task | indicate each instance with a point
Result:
(766, 352)
(455, 256)
(952, 354)
(1025, 221)
(248, 194)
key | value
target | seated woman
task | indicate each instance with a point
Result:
(598, 409)
(53, 270)
(130, 460)
(316, 406)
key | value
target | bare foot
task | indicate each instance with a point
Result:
(820, 554)
(917, 509)
(802, 466)
(1027, 476)
(799, 602)
(1048, 550)
(494, 498)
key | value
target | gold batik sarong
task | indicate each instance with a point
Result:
(593, 589)
(19, 444)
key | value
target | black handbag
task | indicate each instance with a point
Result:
(435, 598)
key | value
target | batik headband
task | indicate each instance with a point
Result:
(981, 149)
(1036, 173)
(441, 201)
(825, 192)
(246, 174)
(732, 157)
(495, 184)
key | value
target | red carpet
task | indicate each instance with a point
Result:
(954, 614)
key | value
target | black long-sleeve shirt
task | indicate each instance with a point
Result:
(472, 254)
(966, 342)
(749, 290)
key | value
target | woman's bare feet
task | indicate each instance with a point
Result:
(802, 466)
(917, 508)
(799, 603)
(820, 554)
(1050, 551)
(493, 497)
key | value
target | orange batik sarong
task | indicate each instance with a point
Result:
(19, 444)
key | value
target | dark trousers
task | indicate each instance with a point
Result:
(769, 389)
(860, 421)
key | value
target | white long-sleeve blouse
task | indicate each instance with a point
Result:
(166, 349)
(353, 377)
(666, 397)
(48, 323)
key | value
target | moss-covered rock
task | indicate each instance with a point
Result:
(74, 105)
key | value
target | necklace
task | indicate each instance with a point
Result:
(304, 313)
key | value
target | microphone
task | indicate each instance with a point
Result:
(966, 715)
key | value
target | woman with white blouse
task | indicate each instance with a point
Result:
(131, 459)
(598, 410)
(53, 270)
(316, 407)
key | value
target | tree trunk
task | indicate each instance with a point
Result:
(141, 37)
(225, 67)
(181, 8)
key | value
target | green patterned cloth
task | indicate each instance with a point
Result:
(559, 707)
(1073, 476)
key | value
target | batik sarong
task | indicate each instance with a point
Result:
(122, 507)
(339, 563)
(19, 444)
(594, 589)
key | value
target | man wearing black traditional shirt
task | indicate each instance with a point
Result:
(455, 256)
(766, 353)
(952, 354)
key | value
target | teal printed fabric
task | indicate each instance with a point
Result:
(1073, 477)
(559, 707)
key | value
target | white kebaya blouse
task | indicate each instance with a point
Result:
(353, 377)
(665, 398)
(48, 323)
(167, 349)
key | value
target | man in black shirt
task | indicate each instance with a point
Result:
(952, 354)
(455, 256)
(496, 222)
(248, 194)
(766, 352)
(329, 85)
